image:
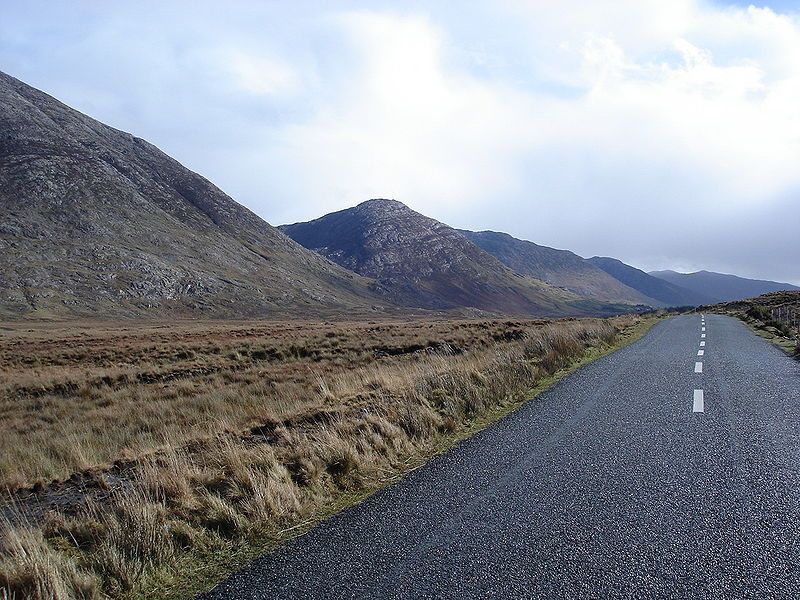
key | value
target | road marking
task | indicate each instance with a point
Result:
(698, 367)
(698, 401)
(700, 352)
(702, 343)
(702, 335)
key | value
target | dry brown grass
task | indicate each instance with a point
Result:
(235, 429)
(67, 391)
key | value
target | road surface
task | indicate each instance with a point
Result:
(667, 469)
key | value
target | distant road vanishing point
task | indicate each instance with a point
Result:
(670, 468)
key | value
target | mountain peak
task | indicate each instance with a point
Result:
(382, 203)
(96, 221)
(385, 209)
(422, 262)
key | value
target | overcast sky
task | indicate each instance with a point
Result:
(665, 133)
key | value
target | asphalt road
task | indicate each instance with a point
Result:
(610, 484)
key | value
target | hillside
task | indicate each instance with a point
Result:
(96, 222)
(720, 287)
(560, 268)
(422, 262)
(664, 292)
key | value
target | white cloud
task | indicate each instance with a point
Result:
(662, 121)
(261, 74)
(403, 125)
(661, 132)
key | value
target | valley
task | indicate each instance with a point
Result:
(184, 386)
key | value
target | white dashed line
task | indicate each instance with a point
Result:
(698, 401)
(698, 404)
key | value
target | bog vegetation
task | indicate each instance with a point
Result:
(131, 455)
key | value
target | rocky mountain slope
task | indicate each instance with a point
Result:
(560, 268)
(96, 222)
(720, 287)
(664, 292)
(422, 262)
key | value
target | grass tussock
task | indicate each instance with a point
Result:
(246, 448)
(30, 567)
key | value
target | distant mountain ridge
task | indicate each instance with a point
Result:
(95, 222)
(560, 268)
(721, 287)
(422, 262)
(663, 292)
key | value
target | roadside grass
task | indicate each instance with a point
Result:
(202, 502)
(763, 315)
(84, 398)
(788, 345)
(199, 572)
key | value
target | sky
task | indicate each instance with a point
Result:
(663, 133)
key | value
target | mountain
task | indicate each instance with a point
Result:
(96, 222)
(560, 268)
(422, 262)
(664, 292)
(720, 287)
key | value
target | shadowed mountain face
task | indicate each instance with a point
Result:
(560, 268)
(666, 293)
(96, 222)
(422, 262)
(719, 287)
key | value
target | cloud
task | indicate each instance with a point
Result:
(261, 74)
(659, 132)
(403, 125)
